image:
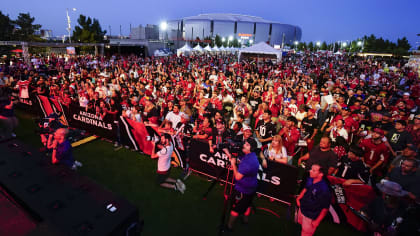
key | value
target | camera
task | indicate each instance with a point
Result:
(49, 124)
(234, 147)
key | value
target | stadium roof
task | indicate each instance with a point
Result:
(228, 17)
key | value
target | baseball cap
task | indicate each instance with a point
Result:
(406, 94)
(379, 131)
(246, 127)
(391, 188)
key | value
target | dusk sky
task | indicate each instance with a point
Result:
(329, 20)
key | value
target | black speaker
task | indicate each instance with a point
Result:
(59, 199)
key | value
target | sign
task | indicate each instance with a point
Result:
(244, 35)
(78, 117)
(277, 181)
(71, 51)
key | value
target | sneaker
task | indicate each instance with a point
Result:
(181, 185)
(78, 164)
(179, 188)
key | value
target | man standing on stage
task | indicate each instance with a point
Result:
(313, 201)
(245, 174)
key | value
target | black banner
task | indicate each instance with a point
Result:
(78, 117)
(277, 181)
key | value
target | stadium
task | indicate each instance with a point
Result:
(248, 29)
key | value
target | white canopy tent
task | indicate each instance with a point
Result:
(261, 49)
(222, 49)
(185, 50)
(198, 48)
(207, 48)
(215, 49)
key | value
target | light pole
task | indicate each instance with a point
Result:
(318, 44)
(230, 39)
(164, 26)
(296, 44)
(69, 22)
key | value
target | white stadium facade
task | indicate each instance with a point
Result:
(247, 29)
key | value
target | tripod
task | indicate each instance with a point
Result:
(227, 191)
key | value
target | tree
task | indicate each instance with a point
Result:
(324, 46)
(403, 43)
(418, 48)
(218, 41)
(88, 31)
(6, 27)
(235, 43)
(26, 28)
(311, 46)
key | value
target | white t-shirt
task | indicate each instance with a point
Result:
(282, 156)
(334, 133)
(174, 118)
(164, 161)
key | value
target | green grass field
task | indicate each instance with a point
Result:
(165, 212)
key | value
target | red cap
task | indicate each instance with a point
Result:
(379, 131)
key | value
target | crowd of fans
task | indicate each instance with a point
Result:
(357, 118)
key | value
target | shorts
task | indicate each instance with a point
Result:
(306, 222)
(161, 177)
(241, 201)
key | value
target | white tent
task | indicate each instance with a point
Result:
(215, 49)
(186, 49)
(222, 48)
(198, 48)
(207, 48)
(261, 49)
(232, 49)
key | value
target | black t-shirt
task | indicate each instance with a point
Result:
(218, 138)
(399, 140)
(324, 159)
(266, 130)
(254, 102)
(348, 169)
(382, 215)
(309, 125)
(410, 183)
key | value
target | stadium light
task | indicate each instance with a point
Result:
(163, 25)
(223, 39)
(296, 43)
(251, 41)
(230, 38)
(318, 43)
(344, 44)
(359, 43)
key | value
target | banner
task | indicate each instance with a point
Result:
(78, 117)
(139, 136)
(277, 181)
(49, 106)
(356, 196)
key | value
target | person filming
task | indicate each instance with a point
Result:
(164, 153)
(245, 171)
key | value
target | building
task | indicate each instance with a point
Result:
(45, 34)
(242, 27)
(149, 32)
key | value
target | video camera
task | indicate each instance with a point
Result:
(49, 124)
(234, 146)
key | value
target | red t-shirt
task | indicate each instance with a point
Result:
(374, 152)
